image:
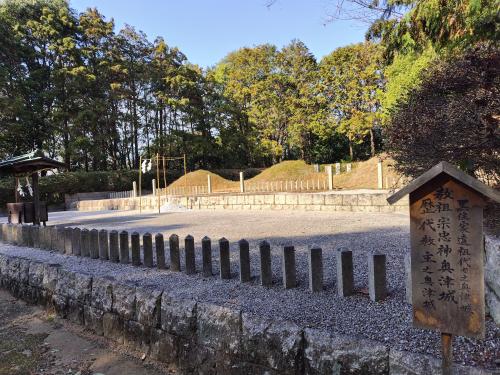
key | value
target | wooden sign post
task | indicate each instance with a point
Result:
(446, 230)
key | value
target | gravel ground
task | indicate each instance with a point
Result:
(388, 321)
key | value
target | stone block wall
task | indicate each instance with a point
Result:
(334, 201)
(492, 276)
(195, 337)
(200, 338)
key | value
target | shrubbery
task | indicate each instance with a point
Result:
(54, 187)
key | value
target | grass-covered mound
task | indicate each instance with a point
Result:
(199, 178)
(363, 175)
(286, 170)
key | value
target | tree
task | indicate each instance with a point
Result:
(37, 56)
(351, 81)
(303, 105)
(452, 116)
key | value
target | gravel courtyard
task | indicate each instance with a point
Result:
(388, 321)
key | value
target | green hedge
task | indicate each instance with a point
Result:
(54, 187)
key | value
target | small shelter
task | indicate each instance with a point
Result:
(28, 165)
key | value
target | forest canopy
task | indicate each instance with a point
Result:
(99, 98)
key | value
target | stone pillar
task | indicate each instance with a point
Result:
(160, 251)
(175, 259)
(21, 237)
(147, 248)
(68, 233)
(189, 256)
(47, 237)
(94, 244)
(266, 273)
(209, 184)
(408, 278)
(135, 241)
(224, 260)
(345, 274)
(53, 238)
(25, 235)
(75, 241)
(134, 189)
(206, 254)
(124, 250)
(242, 182)
(153, 183)
(329, 172)
(315, 259)
(103, 245)
(114, 247)
(337, 168)
(380, 176)
(245, 275)
(288, 267)
(84, 242)
(35, 235)
(348, 168)
(22, 240)
(377, 276)
(60, 239)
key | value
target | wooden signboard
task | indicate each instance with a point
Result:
(447, 272)
(446, 230)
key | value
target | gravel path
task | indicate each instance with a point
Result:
(388, 321)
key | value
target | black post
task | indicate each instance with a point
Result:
(36, 198)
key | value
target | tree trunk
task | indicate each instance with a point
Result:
(372, 142)
(67, 156)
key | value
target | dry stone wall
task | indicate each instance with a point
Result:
(334, 201)
(195, 337)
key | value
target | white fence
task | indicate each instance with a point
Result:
(121, 194)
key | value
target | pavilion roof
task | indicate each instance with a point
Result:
(28, 163)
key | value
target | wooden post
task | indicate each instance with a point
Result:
(329, 171)
(447, 353)
(134, 189)
(36, 198)
(140, 183)
(185, 170)
(158, 179)
(242, 182)
(380, 176)
(164, 175)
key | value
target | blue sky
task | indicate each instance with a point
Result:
(207, 30)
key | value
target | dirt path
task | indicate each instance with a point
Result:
(33, 341)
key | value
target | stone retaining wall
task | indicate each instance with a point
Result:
(201, 338)
(333, 201)
(492, 276)
(196, 337)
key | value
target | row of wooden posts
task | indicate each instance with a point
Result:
(114, 246)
